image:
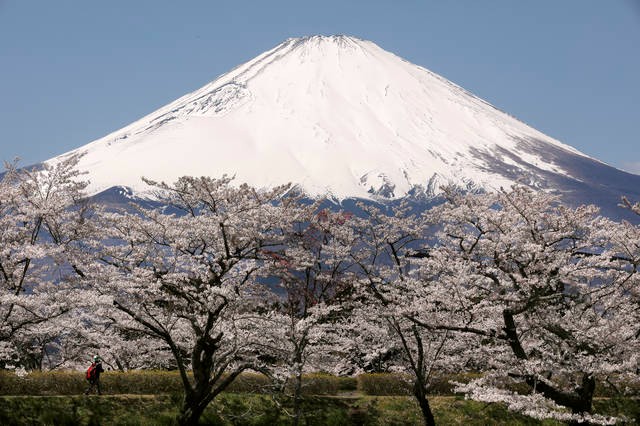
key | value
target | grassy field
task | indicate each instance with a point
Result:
(245, 409)
(153, 398)
(252, 409)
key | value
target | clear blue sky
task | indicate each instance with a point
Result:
(73, 71)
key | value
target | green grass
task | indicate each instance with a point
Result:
(619, 407)
(86, 410)
(54, 398)
(257, 410)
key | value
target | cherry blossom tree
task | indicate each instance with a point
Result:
(625, 242)
(120, 348)
(312, 278)
(186, 275)
(539, 284)
(399, 293)
(44, 217)
(634, 207)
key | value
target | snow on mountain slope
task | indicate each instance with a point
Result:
(338, 116)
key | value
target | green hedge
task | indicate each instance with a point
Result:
(167, 382)
(150, 382)
(320, 384)
(141, 382)
(74, 383)
(384, 384)
(402, 384)
(348, 384)
(50, 383)
(250, 383)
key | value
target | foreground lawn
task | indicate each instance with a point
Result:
(251, 409)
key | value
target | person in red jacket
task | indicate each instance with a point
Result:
(93, 375)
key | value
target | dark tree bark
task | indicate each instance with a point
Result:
(420, 393)
(297, 400)
(579, 401)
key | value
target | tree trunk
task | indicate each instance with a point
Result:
(198, 396)
(190, 412)
(579, 401)
(584, 401)
(297, 399)
(194, 403)
(585, 394)
(118, 363)
(420, 393)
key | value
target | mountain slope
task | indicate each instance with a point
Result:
(340, 116)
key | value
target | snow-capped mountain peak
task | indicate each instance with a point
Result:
(338, 116)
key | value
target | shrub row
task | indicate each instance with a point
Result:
(312, 384)
(318, 384)
(384, 384)
(167, 382)
(152, 382)
(73, 383)
(402, 384)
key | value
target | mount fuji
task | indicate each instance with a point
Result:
(340, 117)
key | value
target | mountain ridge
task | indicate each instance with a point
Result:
(340, 117)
